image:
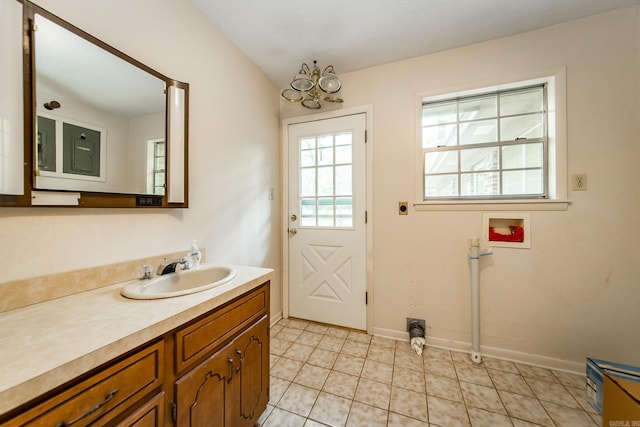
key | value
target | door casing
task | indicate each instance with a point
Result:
(368, 111)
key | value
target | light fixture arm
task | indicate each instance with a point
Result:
(329, 69)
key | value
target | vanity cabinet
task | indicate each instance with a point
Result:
(210, 371)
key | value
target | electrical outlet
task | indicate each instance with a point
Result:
(403, 208)
(579, 182)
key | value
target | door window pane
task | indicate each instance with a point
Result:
(344, 186)
(325, 156)
(308, 212)
(325, 181)
(307, 158)
(325, 211)
(307, 182)
(344, 212)
(343, 148)
(326, 177)
(308, 144)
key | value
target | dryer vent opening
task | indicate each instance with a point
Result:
(417, 338)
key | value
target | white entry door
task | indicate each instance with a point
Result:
(327, 225)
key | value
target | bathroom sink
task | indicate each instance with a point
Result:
(179, 283)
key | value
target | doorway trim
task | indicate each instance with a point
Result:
(368, 111)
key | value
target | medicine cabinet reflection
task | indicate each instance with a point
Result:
(99, 124)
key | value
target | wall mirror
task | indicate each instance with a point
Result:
(100, 128)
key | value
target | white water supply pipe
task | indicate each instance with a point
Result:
(474, 260)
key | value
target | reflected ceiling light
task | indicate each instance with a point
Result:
(52, 105)
(308, 86)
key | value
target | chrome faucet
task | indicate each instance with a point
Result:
(170, 266)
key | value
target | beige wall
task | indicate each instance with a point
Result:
(576, 292)
(231, 164)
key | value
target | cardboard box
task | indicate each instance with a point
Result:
(621, 406)
(596, 372)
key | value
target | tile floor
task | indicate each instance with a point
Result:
(326, 376)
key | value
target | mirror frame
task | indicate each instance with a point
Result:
(33, 196)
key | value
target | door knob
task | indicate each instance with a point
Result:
(293, 231)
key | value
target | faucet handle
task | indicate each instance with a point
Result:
(145, 271)
(186, 263)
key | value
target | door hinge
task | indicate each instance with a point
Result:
(366, 298)
(366, 216)
(173, 413)
(366, 139)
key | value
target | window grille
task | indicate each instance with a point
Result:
(488, 146)
(159, 165)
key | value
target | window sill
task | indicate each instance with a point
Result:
(494, 205)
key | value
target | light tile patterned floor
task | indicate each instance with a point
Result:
(326, 376)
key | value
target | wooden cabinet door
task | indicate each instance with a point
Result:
(252, 372)
(206, 396)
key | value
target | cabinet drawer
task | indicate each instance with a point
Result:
(148, 415)
(205, 335)
(102, 396)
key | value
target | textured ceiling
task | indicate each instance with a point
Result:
(278, 35)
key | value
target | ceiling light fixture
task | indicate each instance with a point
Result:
(52, 105)
(309, 85)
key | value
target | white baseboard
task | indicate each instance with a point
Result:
(493, 352)
(275, 318)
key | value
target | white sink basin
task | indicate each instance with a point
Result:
(179, 283)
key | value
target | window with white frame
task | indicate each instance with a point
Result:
(490, 145)
(159, 169)
(156, 166)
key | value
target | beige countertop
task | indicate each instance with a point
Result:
(47, 344)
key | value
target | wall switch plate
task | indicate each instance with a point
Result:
(579, 182)
(403, 208)
(148, 201)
